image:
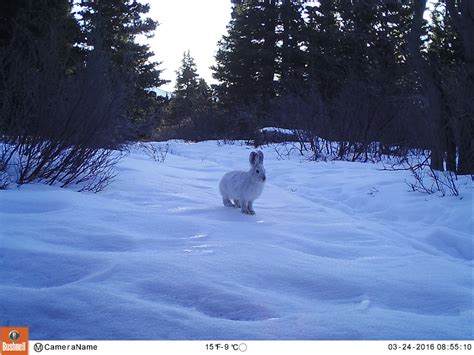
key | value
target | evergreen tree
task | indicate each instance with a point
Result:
(461, 17)
(360, 40)
(31, 20)
(204, 95)
(445, 55)
(326, 51)
(444, 43)
(246, 57)
(192, 95)
(291, 63)
(61, 108)
(119, 22)
(442, 57)
(187, 78)
(24, 24)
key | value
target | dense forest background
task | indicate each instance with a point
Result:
(352, 79)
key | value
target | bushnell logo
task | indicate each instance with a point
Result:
(14, 335)
(14, 341)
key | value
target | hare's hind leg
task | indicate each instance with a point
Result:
(227, 202)
(250, 208)
(237, 203)
(244, 208)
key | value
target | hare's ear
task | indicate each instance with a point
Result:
(260, 156)
(253, 158)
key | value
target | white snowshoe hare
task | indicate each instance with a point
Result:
(244, 187)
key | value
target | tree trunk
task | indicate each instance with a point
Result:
(462, 13)
(466, 155)
(431, 91)
(450, 146)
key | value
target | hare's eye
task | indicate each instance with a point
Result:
(258, 171)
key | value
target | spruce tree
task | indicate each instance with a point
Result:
(118, 23)
(24, 24)
(187, 78)
(360, 40)
(192, 95)
(291, 63)
(31, 20)
(246, 57)
(327, 51)
(445, 55)
(461, 15)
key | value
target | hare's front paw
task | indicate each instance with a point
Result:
(227, 202)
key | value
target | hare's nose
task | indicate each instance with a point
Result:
(264, 178)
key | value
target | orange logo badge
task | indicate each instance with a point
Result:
(14, 341)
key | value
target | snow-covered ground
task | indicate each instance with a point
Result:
(336, 251)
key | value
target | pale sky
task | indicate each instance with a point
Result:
(196, 25)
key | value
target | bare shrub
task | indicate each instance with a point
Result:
(155, 151)
(60, 127)
(364, 121)
(4, 177)
(213, 123)
(425, 178)
(431, 181)
(201, 125)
